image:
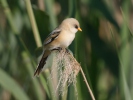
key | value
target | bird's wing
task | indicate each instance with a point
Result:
(52, 36)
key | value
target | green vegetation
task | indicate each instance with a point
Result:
(103, 48)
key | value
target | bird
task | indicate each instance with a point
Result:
(60, 37)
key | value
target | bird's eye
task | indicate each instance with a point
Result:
(76, 26)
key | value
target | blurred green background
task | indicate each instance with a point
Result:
(104, 48)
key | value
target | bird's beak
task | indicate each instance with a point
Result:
(79, 29)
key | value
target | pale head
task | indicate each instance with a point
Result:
(70, 24)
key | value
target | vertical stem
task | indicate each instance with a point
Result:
(33, 23)
(72, 8)
(9, 16)
(49, 7)
(87, 84)
(125, 53)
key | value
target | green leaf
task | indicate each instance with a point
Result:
(72, 8)
(12, 86)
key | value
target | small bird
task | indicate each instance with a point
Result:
(60, 37)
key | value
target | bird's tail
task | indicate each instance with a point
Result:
(42, 62)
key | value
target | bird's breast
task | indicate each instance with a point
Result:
(65, 39)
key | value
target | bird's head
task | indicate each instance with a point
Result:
(71, 24)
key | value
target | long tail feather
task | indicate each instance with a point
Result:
(42, 63)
